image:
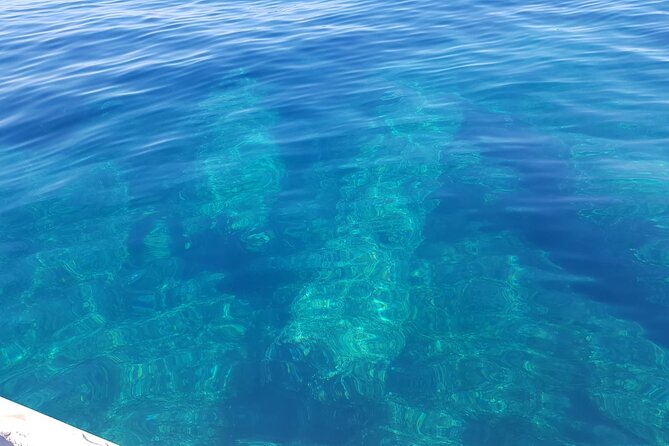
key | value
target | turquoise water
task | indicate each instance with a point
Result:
(311, 223)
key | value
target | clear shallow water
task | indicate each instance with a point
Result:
(337, 223)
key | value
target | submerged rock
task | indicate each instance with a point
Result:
(237, 169)
(347, 322)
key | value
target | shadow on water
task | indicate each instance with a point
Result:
(545, 213)
(281, 417)
(269, 406)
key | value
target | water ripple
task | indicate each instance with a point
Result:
(337, 222)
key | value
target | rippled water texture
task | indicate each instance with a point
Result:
(311, 223)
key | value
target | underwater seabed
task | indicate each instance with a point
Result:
(73, 255)
(346, 323)
(128, 299)
(237, 167)
(234, 178)
(493, 358)
(413, 318)
(475, 347)
(596, 171)
(68, 253)
(499, 370)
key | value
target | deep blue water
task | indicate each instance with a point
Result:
(319, 223)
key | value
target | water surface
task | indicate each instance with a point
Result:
(337, 223)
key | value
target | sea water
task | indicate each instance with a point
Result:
(320, 223)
